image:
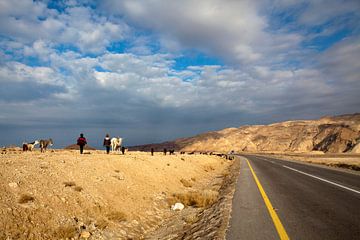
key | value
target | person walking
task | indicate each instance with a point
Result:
(107, 143)
(81, 142)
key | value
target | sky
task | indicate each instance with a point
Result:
(151, 71)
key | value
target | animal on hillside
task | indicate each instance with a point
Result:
(116, 144)
(45, 143)
(171, 152)
(29, 146)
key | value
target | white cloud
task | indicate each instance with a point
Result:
(18, 72)
(341, 62)
(29, 22)
(59, 59)
(233, 30)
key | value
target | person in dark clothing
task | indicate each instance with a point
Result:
(165, 151)
(152, 151)
(107, 143)
(123, 150)
(81, 142)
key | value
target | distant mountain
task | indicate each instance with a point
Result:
(328, 134)
(76, 147)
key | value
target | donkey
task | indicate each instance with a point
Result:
(45, 143)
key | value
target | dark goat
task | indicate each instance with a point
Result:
(45, 143)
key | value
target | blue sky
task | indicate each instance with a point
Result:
(151, 71)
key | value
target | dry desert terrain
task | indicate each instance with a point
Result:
(61, 194)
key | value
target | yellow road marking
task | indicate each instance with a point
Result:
(278, 225)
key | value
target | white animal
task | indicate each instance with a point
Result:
(116, 144)
(29, 146)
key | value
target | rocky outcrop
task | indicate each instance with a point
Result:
(328, 134)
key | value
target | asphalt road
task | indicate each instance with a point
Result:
(311, 202)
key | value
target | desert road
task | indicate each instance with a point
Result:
(277, 199)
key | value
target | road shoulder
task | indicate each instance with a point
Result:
(249, 217)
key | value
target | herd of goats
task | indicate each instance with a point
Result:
(48, 142)
(43, 145)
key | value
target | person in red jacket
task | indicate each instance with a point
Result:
(81, 142)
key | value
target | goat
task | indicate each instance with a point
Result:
(29, 146)
(116, 144)
(45, 143)
(123, 149)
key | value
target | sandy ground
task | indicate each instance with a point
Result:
(62, 194)
(347, 161)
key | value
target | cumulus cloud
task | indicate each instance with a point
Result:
(230, 30)
(113, 65)
(27, 22)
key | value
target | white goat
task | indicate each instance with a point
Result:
(116, 144)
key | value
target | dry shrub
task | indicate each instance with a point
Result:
(78, 188)
(185, 182)
(69, 184)
(208, 168)
(196, 199)
(117, 216)
(25, 198)
(191, 218)
(225, 173)
(101, 223)
(65, 232)
(345, 165)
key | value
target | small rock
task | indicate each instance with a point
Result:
(85, 235)
(177, 207)
(13, 185)
(92, 227)
(63, 199)
(135, 222)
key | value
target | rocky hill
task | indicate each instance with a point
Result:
(328, 134)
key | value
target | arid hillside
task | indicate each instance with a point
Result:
(328, 134)
(61, 194)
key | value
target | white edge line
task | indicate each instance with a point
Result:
(324, 180)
